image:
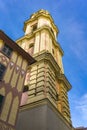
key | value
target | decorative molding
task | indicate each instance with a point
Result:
(62, 78)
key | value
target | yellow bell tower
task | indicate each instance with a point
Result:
(47, 84)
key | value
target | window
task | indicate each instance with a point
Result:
(25, 88)
(31, 49)
(7, 50)
(34, 27)
(1, 100)
(2, 70)
(53, 51)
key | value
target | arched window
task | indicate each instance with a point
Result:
(2, 94)
(6, 106)
(31, 49)
(34, 27)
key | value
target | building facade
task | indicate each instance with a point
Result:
(46, 106)
(13, 66)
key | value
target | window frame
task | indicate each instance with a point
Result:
(1, 102)
(2, 72)
(25, 89)
(6, 50)
(34, 27)
(53, 52)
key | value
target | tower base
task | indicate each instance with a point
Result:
(41, 115)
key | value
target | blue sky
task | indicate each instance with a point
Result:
(71, 18)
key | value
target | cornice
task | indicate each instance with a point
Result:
(45, 27)
(40, 13)
(46, 56)
(28, 36)
(62, 78)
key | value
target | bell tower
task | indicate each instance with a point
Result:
(47, 84)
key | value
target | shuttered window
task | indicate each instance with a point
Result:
(2, 70)
(1, 100)
(7, 50)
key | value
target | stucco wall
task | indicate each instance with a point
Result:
(40, 118)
